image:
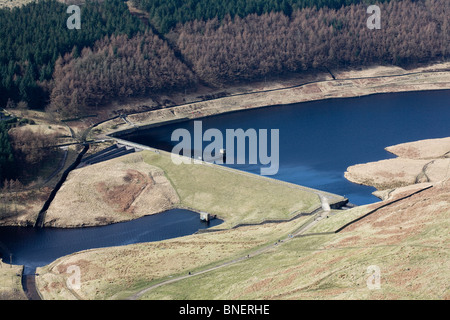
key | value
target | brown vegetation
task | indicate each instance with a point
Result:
(20, 207)
(232, 50)
(117, 67)
(419, 162)
(31, 148)
(124, 195)
(111, 191)
(407, 240)
(257, 46)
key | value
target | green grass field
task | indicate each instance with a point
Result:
(233, 196)
(411, 254)
(407, 241)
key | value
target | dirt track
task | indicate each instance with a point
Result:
(317, 217)
(322, 86)
(321, 214)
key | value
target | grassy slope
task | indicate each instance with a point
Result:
(118, 271)
(234, 197)
(10, 283)
(408, 242)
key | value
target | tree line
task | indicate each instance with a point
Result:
(114, 55)
(166, 14)
(116, 67)
(34, 36)
(235, 49)
(223, 51)
(7, 164)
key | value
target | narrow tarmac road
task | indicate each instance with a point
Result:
(319, 216)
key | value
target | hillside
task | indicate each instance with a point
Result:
(139, 63)
(420, 162)
(408, 241)
(44, 64)
(147, 183)
(405, 237)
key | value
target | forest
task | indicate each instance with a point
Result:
(116, 67)
(34, 36)
(166, 14)
(218, 52)
(7, 165)
(116, 55)
(255, 46)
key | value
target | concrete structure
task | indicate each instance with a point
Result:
(204, 216)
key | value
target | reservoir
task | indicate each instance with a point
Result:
(36, 247)
(319, 140)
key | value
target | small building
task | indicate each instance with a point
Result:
(204, 216)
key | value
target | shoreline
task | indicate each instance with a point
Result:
(118, 135)
(430, 78)
(447, 75)
(348, 84)
(334, 200)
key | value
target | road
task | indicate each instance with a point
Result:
(302, 231)
(321, 214)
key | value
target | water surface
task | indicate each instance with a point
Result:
(319, 140)
(36, 247)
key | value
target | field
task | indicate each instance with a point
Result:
(147, 182)
(113, 191)
(404, 237)
(425, 161)
(408, 242)
(317, 266)
(234, 196)
(118, 272)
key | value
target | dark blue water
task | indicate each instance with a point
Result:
(319, 140)
(35, 247)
